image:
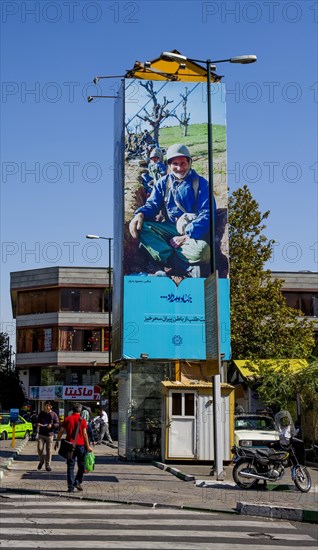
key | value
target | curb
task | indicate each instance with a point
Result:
(6, 465)
(174, 471)
(277, 512)
(245, 508)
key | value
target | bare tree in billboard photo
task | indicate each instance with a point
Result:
(167, 206)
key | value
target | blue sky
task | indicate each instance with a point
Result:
(57, 149)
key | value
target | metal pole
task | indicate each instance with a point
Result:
(216, 380)
(109, 324)
(210, 166)
(109, 291)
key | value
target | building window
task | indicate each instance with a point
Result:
(86, 377)
(38, 301)
(108, 297)
(34, 340)
(52, 376)
(81, 299)
(307, 302)
(107, 338)
(80, 339)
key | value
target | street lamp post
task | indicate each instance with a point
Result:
(210, 65)
(109, 239)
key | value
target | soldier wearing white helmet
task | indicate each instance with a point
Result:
(156, 154)
(178, 150)
(179, 242)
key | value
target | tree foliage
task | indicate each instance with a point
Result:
(3, 350)
(279, 386)
(110, 386)
(262, 325)
(11, 394)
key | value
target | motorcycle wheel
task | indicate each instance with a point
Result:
(241, 481)
(302, 479)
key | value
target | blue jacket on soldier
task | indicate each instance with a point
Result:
(168, 189)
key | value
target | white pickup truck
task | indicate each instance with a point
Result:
(255, 430)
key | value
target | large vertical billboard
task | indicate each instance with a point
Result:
(164, 249)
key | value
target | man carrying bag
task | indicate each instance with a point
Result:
(76, 434)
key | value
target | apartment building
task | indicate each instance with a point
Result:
(63, 332)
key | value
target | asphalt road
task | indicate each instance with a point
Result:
(34, 521)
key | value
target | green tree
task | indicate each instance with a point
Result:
(4, 349)
(262, 325)
(110, 387)
(11, 394)
(279, 387)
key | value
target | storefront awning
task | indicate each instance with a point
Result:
(244, 365)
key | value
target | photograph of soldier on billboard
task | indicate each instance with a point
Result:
(167, 205)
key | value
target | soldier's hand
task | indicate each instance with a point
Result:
(176, 242)
(136, 225)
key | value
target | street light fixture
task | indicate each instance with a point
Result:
(98, 78)
(90, 98)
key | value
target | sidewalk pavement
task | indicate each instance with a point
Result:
(187, 485)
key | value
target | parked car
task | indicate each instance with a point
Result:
(255, 430)
(22, 427)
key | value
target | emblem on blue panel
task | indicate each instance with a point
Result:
(177, 340)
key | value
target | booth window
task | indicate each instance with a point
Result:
(188, 404)
(182, 404)
(176, 404)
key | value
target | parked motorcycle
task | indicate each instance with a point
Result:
(253, 465)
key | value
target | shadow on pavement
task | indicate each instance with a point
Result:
(54, 476)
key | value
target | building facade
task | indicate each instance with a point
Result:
(63, 332)
(300, 289)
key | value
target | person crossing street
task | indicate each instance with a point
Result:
(70, 426)
(47, 422)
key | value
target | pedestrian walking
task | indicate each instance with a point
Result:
(102, 419)
(86, 414)
(73, 425)
(47, 422)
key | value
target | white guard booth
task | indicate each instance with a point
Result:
(187, 422)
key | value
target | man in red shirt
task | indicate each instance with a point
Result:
(69, 426)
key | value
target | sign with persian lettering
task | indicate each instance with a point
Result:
(163, 236)
(67, 393)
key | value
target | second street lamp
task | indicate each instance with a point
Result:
(109, 239)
